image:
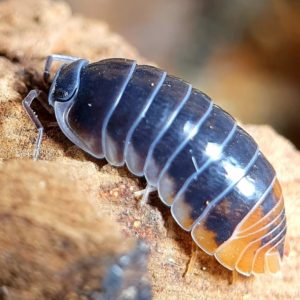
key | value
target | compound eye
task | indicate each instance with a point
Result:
(61, 94)
(66, 81)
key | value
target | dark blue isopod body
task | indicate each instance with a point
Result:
(205, 167)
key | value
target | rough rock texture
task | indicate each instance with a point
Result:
(47, 221)
(52, 243)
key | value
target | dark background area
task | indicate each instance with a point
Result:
(244, 54)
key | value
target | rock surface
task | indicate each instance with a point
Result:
(63, 209)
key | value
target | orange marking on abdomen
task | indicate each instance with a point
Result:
(181, 212)
(259, 263)
(257, 214)
(273, 214)
(273, 259)
(248, 257)
(205, 239)
(230, 251)
(277, 190)
(244, 264)
(272, 262)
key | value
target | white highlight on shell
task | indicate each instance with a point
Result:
(214, 151)
(234, 172)
(190, 129)
(246, 187)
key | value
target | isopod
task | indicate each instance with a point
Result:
(219, 185)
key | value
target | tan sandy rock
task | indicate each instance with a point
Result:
(37, 196)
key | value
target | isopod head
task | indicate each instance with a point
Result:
(66, 82)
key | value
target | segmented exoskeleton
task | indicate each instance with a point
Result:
(205, 167)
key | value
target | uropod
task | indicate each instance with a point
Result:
(205, 167)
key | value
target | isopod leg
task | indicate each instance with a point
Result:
(33, 94)
(145, 193)
(56, 57)
(193, 257)
(43, 100)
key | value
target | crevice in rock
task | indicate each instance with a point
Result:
(12, 58)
